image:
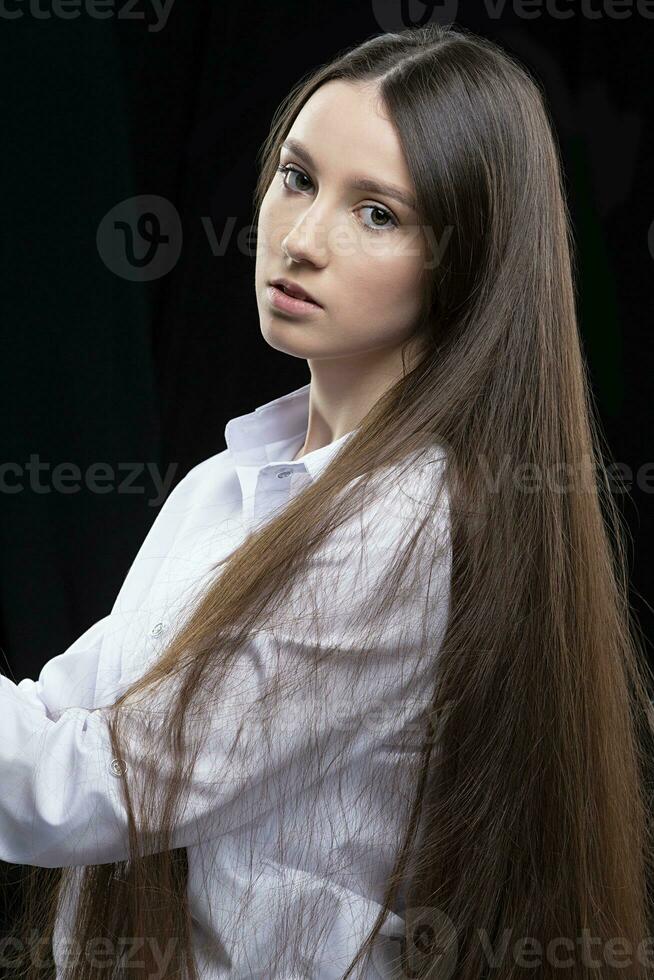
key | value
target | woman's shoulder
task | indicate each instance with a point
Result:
(415, 483)
(197, 476)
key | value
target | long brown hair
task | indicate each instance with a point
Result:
(528, 813)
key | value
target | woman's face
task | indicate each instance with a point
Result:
(357, 251)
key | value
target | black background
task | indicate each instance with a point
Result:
(99, 368)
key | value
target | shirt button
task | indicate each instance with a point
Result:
(283, 473)
(158, 629)
(118, 767)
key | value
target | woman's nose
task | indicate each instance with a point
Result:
(307, 240)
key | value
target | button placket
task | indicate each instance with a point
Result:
(269, 494)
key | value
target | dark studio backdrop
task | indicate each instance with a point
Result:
(130, 327)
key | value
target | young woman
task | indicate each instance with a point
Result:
(370, 701)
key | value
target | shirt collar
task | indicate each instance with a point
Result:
(273, 433)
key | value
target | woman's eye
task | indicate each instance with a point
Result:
(382, 213)
(292, 170)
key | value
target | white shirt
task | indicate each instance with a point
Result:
(60, 803)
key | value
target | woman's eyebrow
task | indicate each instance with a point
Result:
(362, 183)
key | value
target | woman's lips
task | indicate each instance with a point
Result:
(290, 304)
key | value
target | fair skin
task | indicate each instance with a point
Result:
(313, 229)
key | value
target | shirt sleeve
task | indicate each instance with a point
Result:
(62, 801)
(69, 678)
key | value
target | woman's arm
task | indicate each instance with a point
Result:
(62, 800)
(69, 678)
